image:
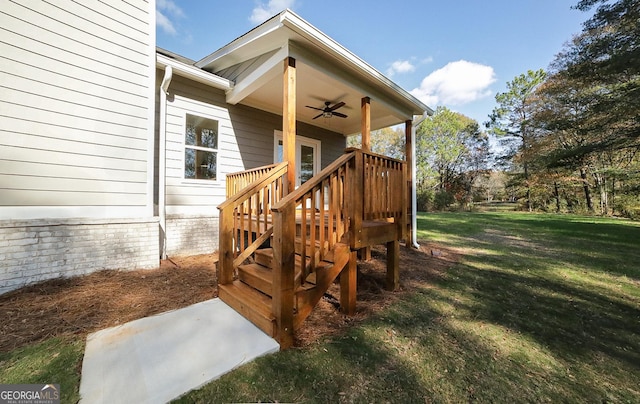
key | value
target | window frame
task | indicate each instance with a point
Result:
(185, 146)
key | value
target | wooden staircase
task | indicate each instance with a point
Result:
(279, 253)
(251, 293)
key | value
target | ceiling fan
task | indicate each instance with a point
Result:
(328, 112)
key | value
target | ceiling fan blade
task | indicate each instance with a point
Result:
(339, 114)
(319, 109)
(338, 105)
(318, 116)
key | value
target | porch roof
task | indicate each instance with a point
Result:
(326, 71)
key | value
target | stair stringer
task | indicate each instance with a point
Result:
(308, 298)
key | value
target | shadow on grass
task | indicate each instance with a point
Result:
(503, 325)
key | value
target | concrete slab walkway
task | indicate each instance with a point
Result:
(159, 358)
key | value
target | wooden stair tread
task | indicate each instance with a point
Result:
(257, 276)
(252, 304)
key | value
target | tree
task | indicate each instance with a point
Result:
(386, 141)
(450, 151)
(607, 55)
(590, 104)
(511, 119)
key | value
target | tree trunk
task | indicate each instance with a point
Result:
(601, 183)
(556, 193)
(526, 182)
(587, 190)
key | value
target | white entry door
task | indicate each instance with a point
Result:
(307, 156)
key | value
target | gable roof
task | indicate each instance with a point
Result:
(326, 71)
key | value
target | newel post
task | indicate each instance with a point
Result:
(225, 247)
(284, 229)
(356, 199)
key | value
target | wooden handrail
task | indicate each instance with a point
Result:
(304, 188)
(240, 179)
(245, 214)
(308, 222)
(305, 225)
(276, 171)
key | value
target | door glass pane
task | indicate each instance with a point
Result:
(306, 163)
(279, 152)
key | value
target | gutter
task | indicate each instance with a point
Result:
(414, 194)
(194, 73)
(162, 163)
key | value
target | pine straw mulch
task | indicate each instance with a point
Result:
(85, 304)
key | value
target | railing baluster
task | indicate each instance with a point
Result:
(312, 228)
(323, 220)
(303, 237)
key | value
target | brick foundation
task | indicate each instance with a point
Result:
(190, 235)
(35, 250)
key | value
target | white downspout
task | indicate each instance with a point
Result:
(414, 193)
(162, 163)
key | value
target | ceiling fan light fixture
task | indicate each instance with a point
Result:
(327, 111)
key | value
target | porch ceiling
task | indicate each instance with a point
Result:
(314, 88)
(325, 71)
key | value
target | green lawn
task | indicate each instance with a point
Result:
(539, 308)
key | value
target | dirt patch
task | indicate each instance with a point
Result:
(85, 304)
(418, 268)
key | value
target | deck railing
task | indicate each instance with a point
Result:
(327, 209)
(382, 177)
(335, 206)
(246, 219)
(238, 180)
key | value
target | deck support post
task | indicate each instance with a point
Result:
(289, 122)
(365, 253)
(393, 265)
(408, 158)
(366, 123)
(348, 285)
(283, 273)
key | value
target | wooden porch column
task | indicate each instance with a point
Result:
(408, 157)
(365, 253)
(289, 122)
(366, 123)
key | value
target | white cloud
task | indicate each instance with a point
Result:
(263, 12)
(457, 83)
(163, 22)
(165, 11)
(400, 66)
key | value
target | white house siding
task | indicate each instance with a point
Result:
(76, 126)
(245, 140)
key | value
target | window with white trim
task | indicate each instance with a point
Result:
(201, 148)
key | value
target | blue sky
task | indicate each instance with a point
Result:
(457, 53)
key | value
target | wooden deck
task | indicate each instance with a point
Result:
(279, 253)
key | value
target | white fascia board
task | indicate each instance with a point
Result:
(194, 73)
(317, 37)
(258, 32)
(258, 77)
